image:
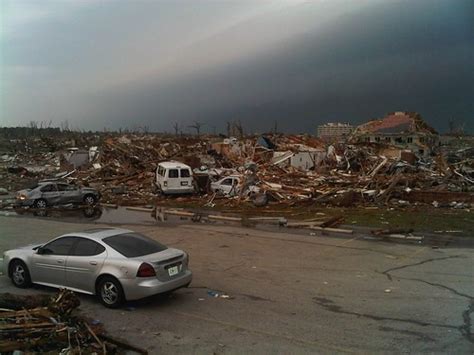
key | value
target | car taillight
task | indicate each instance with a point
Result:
(146, 270)
(187, 259)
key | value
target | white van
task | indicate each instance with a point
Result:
(173, 177)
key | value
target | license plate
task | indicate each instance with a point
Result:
(184, 183)
(173, 270)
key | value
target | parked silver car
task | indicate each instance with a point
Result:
(56, 193)
(114, 264)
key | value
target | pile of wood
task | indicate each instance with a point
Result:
(39, 324)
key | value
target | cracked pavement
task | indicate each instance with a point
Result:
(289, 293)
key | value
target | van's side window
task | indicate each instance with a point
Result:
(185, 173)
(173, 173)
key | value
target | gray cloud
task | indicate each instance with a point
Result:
(122, 64)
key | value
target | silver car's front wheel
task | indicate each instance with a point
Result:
(19, 274)
(40, 203)
(110, 292)
(89, 200)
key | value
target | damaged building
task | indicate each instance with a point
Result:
(401, 131)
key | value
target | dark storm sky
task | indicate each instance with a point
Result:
(301, 63)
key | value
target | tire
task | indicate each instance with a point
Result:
(159, 191)
(20, 274)
(110, 292)
(41, 203)
(90, 200)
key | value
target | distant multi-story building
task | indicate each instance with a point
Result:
(334, 130)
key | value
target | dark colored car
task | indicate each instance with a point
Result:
(56, 193)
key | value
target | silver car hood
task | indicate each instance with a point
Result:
(30, 246)
(23, 192)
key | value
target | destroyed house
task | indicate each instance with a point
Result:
(402, 130)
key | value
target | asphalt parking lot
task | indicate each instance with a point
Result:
(288, 293)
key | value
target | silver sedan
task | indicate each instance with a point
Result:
(46, 194)
(114, 264)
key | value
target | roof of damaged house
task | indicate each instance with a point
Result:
(397, 122)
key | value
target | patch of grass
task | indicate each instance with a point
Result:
(420, 219)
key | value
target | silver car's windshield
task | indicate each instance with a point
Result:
(134, 244)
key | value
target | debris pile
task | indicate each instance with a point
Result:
(272, 168)
(39, 324)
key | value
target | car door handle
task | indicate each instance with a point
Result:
(93, 262)
(60, 261)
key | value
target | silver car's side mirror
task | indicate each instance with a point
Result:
(43, 251)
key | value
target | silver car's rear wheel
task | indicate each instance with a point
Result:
(19, 274)
(110, 292)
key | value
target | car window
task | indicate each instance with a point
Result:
(161, 171)
(134, 244)
(227, 182)
(185, 173)
(61, 246)
(48, 188)
(173, 173)
(87, 247)
(66, 187)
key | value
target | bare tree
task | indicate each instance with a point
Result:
(197, 126)
(235, 129)
(239, 129)
(176, 128)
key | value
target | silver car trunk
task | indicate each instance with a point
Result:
(163, 261)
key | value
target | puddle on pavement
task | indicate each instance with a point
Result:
(99, 214)
(122, 215)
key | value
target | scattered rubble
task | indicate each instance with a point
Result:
(40, 324)
(269, 169)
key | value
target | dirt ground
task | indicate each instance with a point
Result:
(289, 293)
